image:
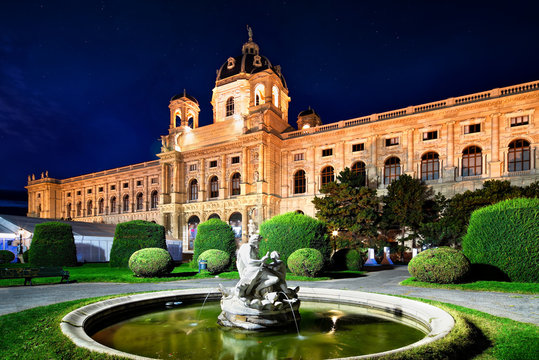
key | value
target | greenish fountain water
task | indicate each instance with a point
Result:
(328, 330)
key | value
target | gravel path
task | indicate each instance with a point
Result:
(518, 307)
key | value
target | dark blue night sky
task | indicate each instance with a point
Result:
(85, 85)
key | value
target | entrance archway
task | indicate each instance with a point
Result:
(192, 225)
(235, 222)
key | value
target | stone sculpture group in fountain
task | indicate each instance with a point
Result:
(261, 299)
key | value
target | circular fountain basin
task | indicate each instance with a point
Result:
(105, 321)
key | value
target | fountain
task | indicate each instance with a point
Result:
(261, 300)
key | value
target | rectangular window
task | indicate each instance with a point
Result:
(392, 141)
(101, 189)
(236, 160)
(193, 167)
(139, 182)
(78, 192)
(213, 163)
(358, 147)
(89, 191)
(520, 120)
(38, 196)
(68, 194)
(113, 187)
(327, 152)
(126, 185)
(430, 135)
(154, 180)
(299, 157)
(473, 128)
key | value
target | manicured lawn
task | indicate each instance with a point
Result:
(498, 286)
(36, 334)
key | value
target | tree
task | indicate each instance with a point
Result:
(349, 207)
(408, 203)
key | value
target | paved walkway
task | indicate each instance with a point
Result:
(518, 307)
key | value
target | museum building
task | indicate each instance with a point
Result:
(250, 164)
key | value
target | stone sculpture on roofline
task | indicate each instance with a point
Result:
(261, 299)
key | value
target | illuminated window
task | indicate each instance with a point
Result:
(193, 167)
(101, 206)
(430, 166)
(359, 169)
(259, 94)
(430, 135)
(327, 152)
(518, 158)
(275, 94)
(392, 169)
(236, 184)
(126, 203)
(300, 182)
(154, 200)
(299, 157)
(154, 181)
(473, 128)
(472, 161)
(327, 175)
(214, 187)
(230, 106)
(358, 147)
(520, 120)
(193, 190)
(392, 141)
(139, 202)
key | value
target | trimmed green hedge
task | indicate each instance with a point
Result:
(218, 260)
(506, 236)
(346, 259)
(6, 256)
(289, 232)
(132, 236)
(442, 265)
(305, 262)
(215, 234)
(151, 262)
(53, 245)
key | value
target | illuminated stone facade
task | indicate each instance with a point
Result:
(251, 164)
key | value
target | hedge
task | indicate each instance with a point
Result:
(505, 236)
(291, 231)
(305, 262)
(53, 245)
(132, 236)
(6, 256)
(215, 234)
(151, 262)
(346, 259)
(441, 265)
(218, 260)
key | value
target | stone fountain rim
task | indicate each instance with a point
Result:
(437, 322)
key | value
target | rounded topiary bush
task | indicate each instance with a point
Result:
(442, 265)
(305, 262)
(6, 256)
(214, 234)
(346, 259)
(151, 262)
(53, 245)
(132, 236)
(505, 237)
(218, 260)
(289, 232)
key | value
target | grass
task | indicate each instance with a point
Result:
(36, 334)
(498, 286)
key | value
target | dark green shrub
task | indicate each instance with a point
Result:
(506, 236)
(132, 236)
(151, 262)
(346, 259)
(53, 245)
(289, 232)
(214, 234)
(305, 262)
(442, 265)
(6, 256)
(218, 260)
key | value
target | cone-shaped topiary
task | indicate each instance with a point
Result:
(218, 260)
(506, 236)
(215, 234)
(53, 245)
(151, 262)
(305, 262)
(442, 265)
(6, 256)
(289, 232)
(132, 236)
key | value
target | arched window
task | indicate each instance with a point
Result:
(192, 224)
(300, 212)
(191, 122)
(79, 209)
(392, 169)
(193, 190)
(430, 166)
(259, 94)
(178, 119)
(68, 210)
(275, 96)
(359, 169)
(518, 158)
(113, 204)
(140, 205)
(89, 206)
(235, 189)
(126, 203)
(472, 162)
(101, 206)
(300, 182)
(230, 106)
(214, 216)
(235, 223)
(214, 187)
(154, 199)
(327, 175)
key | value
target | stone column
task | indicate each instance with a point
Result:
(372, 169)
(342, 148)
(244, 171)
(449, 169)
(313, 172)
(244, 223)
(223, 188)
(202, 184)
(284, 174)
(495, 163)
(410, 154)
